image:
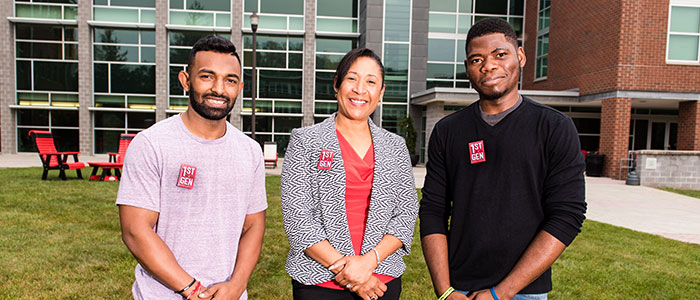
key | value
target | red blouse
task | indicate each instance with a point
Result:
(359, 173)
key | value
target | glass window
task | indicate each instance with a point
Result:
(55, 76)
(282, 142)
(62, 123)
(107, 140)
(64, 118)
(280, 84)
(33, 117)
(496, 7)
(220, 5)
(542, 52)
(442, 71)
(448, 23)
(684, 34)
(335, 45)
(47, 9)
(140, 120)
(46, 60)
(295, 7)
(685, 19)
(325, 108)
(39, 32)
(140, 79)
(441, 50)
(396, 91)
(396, 61)
(587, 125)
(276, 14)
(24, 75)
(397, 20)
(337, 8)
(288, 107)
(324, 86)
(286, 124)
(541, 61)
(391, 114)
(209, 13)
(137, 3)
(443, 5)
(262, 123)
(442, 23)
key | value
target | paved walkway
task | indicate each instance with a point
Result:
(610, 201)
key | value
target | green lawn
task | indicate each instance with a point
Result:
(61, 240)
(691, 193)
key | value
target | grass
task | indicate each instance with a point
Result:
(691, 193)
(61, 240)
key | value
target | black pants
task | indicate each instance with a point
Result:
(313, 292)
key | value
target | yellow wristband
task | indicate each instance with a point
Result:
(446, 293)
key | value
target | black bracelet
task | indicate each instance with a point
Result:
(187, 287)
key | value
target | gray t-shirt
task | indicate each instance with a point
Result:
(202, 210)
(492, 120)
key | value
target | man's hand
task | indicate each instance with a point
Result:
(223, 291)
(195, 291)
(370, 290)
(354, 270)
(485, 295)
(457, 296)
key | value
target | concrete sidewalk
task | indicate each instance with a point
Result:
(643, 209)
(610, 201)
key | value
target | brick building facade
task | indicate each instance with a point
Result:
(633, 66)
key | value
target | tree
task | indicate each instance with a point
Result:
(405, 129)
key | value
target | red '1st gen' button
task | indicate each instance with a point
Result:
(186, 177)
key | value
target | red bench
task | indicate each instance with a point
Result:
(52, 159)
(116, 161)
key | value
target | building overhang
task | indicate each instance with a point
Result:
(463, 97)
(640, 99)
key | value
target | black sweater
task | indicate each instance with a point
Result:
(532, 180)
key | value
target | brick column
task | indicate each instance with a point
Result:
(614, 133)
(309, 74)
(8, 132)
(85, 77)
(689, 125)
(162, 68)
(237, 39)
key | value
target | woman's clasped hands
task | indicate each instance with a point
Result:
(355, 274)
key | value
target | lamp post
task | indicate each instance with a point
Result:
(254, 26)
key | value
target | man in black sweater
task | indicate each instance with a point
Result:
(504, 191)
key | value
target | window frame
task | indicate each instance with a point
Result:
(681, 3)
(541, 34)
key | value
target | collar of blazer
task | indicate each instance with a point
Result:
(331, 182)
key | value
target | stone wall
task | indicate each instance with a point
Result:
(676, 169)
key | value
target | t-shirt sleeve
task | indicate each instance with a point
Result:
(141, 175)
(256, 196)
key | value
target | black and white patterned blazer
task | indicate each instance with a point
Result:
(313, 200)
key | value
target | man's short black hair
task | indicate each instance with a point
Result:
(488, 26)
(350, 58)
(213, 43)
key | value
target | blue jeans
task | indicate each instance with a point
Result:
(542, 296)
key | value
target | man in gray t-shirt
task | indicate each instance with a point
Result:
(192, 197)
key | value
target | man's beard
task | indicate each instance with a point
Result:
(206, 112)
(497, 95)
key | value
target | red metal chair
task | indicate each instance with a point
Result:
(116, 161)
(52, 159)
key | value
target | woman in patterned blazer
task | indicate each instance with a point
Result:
(348, 196)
